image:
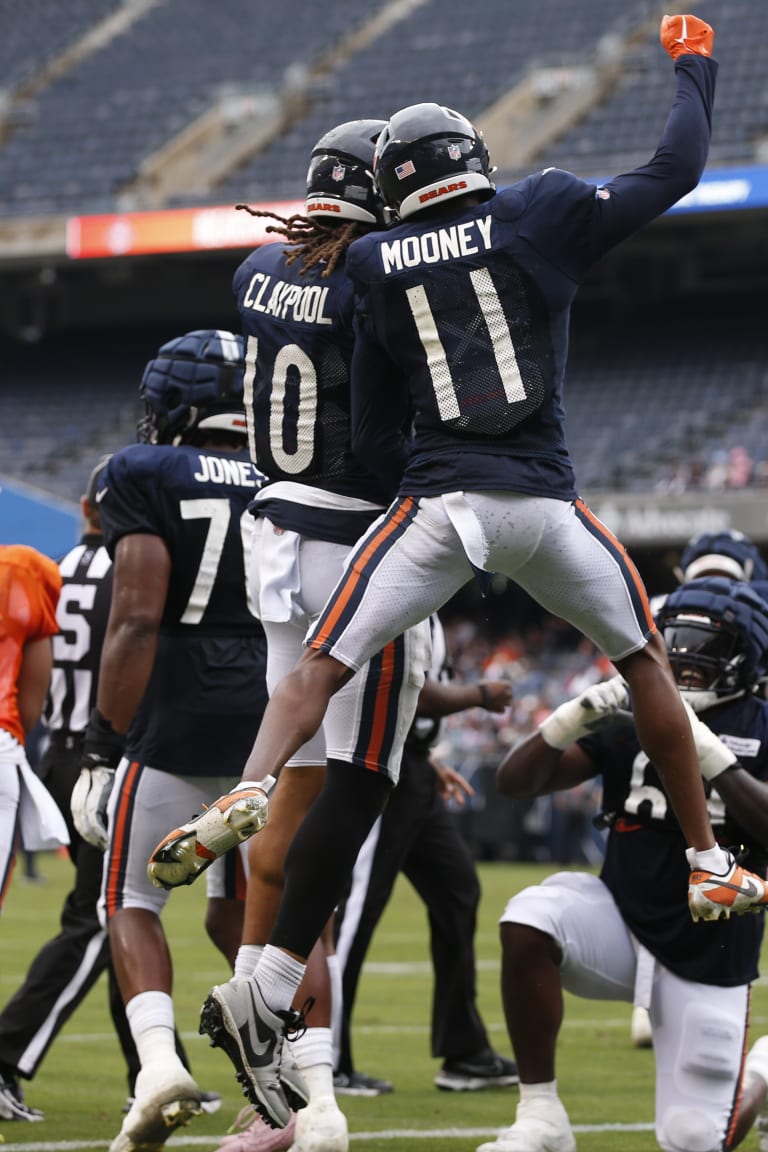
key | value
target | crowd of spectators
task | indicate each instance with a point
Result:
(724, 469)
(546, 662)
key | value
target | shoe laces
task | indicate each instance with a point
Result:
(294, 1019)
(243, 1120)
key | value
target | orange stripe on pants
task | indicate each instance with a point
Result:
(350, 584)
(119, 837)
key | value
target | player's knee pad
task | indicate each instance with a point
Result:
(686, 1130)
(710, 1049)
(707, 1069)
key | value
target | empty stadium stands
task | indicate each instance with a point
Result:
(64, 404)
(444, 52)
(78, 118)
(642, 416)
(81, 138)
(623, 130)
(637, 409)
(33, 35)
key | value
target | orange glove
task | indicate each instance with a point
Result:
(686, 34)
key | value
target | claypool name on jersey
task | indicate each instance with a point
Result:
(466, 239)
(284, 300)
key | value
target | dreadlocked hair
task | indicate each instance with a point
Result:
(312, 239)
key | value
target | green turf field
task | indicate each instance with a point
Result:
(606, 1085)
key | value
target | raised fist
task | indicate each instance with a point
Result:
(686, 35)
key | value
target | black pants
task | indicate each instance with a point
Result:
(419, 837)
(66, 968)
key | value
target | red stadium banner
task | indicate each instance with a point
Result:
(174, 230)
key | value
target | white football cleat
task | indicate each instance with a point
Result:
(183, 854)
(165, 1100)
(542, 1125)
(321, 1127)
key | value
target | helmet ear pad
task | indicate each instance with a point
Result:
(428, 153)
(340, 182)
(195, 380)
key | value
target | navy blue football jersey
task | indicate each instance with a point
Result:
(464, 318)
(204, 702)
(645, 865)
(298, 331)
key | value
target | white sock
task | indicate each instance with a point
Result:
(547, 1090)
(312, 1053)
(278, 976)
(714, 859)
(541, 1102)
(248, 956)
(337, 1004)
(150, 1018)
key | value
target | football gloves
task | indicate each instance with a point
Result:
(597, 707)
(102, 752)
(686, 35)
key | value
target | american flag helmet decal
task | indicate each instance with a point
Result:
(406, 169)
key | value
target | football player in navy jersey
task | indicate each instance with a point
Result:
(628, 932)
(728, 553)
(296, 305)
(181, 684)
(462, 321)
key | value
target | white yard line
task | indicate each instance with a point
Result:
(354, 1137)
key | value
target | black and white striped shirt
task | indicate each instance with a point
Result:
(82, 615)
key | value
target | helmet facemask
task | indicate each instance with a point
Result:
(716, 634)
(708, 658)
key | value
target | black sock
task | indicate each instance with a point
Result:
(323, 852)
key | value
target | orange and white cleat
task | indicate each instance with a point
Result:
(712, 894)
(183, 854)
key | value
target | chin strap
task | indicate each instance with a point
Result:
(701, 700)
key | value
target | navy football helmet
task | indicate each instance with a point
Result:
(716, 634)
(340, 181)
(427, 154)
(195, 381)
(727, 553)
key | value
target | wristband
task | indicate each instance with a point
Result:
(101, 739)
(100, 726)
